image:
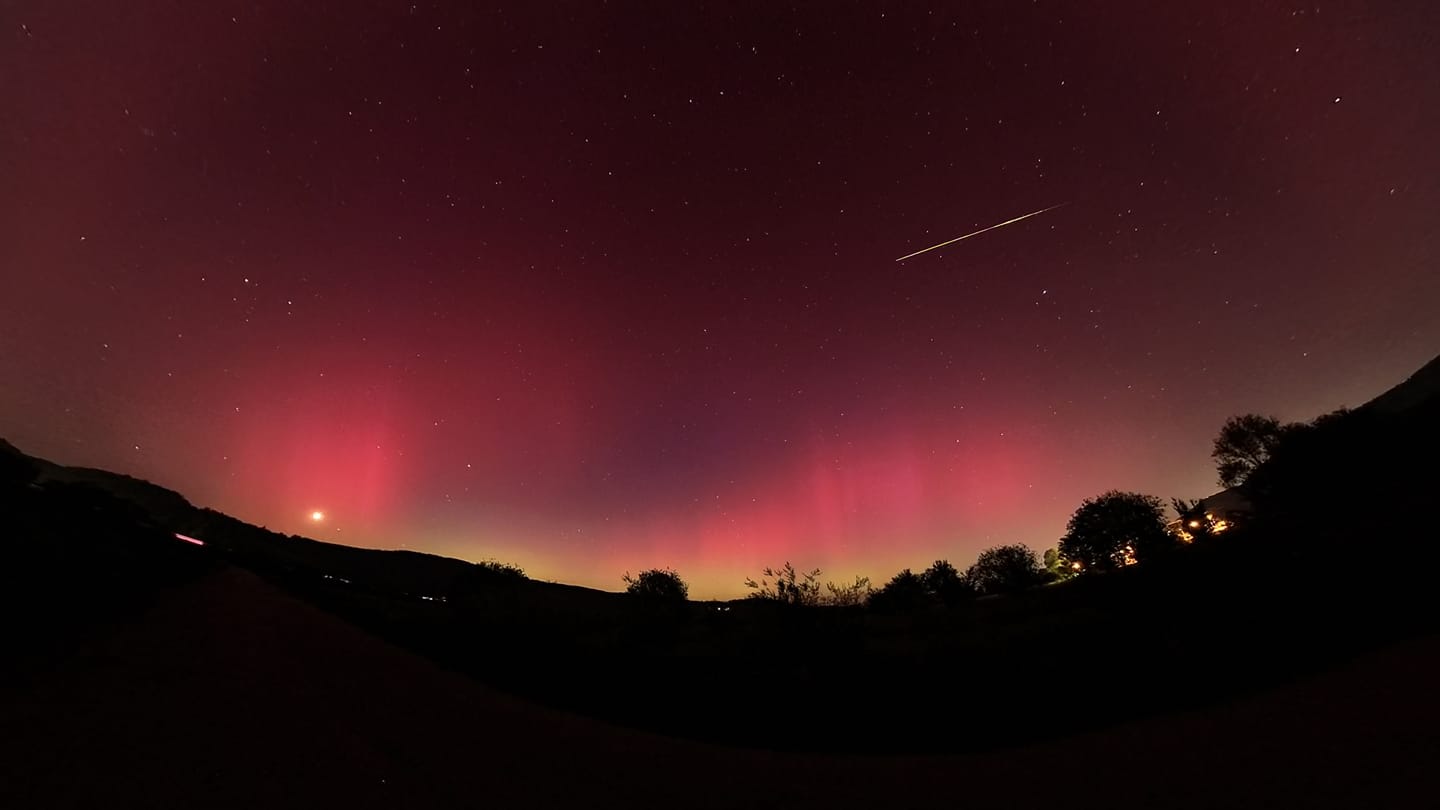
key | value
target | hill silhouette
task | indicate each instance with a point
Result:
(1419, 391)
(396, 571)
(1261, 605)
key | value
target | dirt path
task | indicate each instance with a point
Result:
(232, 694)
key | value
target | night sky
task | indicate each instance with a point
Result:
(612, 286)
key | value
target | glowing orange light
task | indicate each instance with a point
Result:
(317, 516)
(1194, 524)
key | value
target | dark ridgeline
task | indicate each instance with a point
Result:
(1329, 561)
(78, 555)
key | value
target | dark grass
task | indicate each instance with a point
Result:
(1207, 625)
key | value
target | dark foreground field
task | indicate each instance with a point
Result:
(229, 693)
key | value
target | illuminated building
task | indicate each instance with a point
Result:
(1223, 511)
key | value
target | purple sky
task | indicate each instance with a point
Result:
(605, 287)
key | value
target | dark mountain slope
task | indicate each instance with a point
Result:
(1418, 390)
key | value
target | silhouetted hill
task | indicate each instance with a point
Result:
(75, 558)
(1408, 404)
(399, 572)
(161, 504)
(1301, 586)
(1419, 389)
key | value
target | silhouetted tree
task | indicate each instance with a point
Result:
(1003, 569)
(787, 586)
(851, 595)
(945, 584)
(657, 585)
(1245, 442)
(1319, 471)
(905, 591)
(1115, 529)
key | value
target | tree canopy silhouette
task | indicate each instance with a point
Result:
(946, 584)
(1245, 442)
(1003, 569)
(1116, 529)
(905, 591)
(939, 584)
(657, 585)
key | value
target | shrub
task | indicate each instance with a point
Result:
(496, 570)
(852, 595)
(657, 585)
(904, 591)
(786, 586)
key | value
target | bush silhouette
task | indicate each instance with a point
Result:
(852, 595)
(786, 586)
(657, 585)
(496, 570)
(905, 591)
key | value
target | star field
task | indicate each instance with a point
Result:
(595, 288)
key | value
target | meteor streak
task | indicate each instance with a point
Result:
(977, 233)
